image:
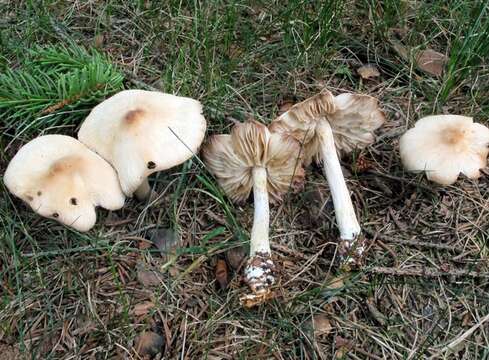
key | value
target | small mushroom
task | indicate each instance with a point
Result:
(444, 146)
(61, 178)
(329, 125)
(141, 132)
(252, 158)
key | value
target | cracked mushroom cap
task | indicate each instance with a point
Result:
(232, 157)
(141, 132)
(352, 117)
(60, 178)
(444, 146)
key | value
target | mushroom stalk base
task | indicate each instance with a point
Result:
(259, 273)
(344, 211)
(144, 192)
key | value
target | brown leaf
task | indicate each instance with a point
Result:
(235, 257)
(321, 325)
(343, 346)
(335, 283)
(142, 308)
(431, 61)
(362, 164)
(166, 240)
(149, 344)
(221, 272)
(146, 276)
(368, 71)
(98, 40)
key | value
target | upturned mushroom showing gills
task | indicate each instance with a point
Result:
(326, 126)
(444, 146)
(141, 132)
(252, 158)
(61, 179)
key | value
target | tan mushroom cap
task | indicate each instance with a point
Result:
(444, 146)
(141, 132)
(353, 119)
(231, 159)
(60, 178)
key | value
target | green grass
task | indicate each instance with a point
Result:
(66, 294)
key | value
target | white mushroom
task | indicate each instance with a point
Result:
(60, 178)
(253, 158)
(141, 132)
(444, 146)
(327, 125)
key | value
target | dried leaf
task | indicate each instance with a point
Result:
(321, 325)
(431, 61)
(146, 276)
(335, 283)
(142, 308)
(368, 71)
(235, 257)
(362, 164)
(166, 240)
(144, 244)
(343, 346)
(149, 344)
(98, 40)
(221, 272)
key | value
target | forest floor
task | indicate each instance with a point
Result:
(423, 290)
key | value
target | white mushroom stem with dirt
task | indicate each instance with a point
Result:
(328, 126)
(252, 158)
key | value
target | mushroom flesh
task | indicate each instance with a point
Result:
(141, 132)
(444, 146)
(61, 179)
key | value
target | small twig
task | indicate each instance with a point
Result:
(425, 272)
(419, 243)
(63, 103)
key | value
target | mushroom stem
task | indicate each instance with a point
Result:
(143, 192)
(344, 211)
(259, 272)
(261, 218)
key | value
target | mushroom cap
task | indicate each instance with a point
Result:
(445, 146)
(61, 178)
(231, 159)
(141, 132)
(353, 119)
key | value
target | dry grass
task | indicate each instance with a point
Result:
(67, 295)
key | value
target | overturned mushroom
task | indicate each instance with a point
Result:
(253, 158)
(327, 125)
(444, 146)
(141, 132)
(60, 178)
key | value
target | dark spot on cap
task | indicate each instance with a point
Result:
(73, 201)
(151, 165)
(133, 116)
(39, 193)
(55, 215)
(29, 198)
